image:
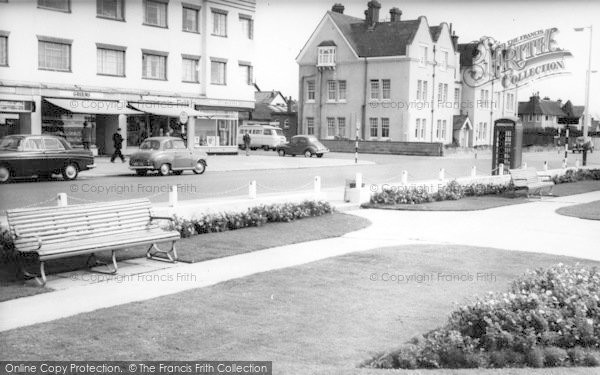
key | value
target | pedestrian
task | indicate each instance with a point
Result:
(247, 140)
(86, 136)
(118, 143)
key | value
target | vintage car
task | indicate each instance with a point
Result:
(307, 145)
(24, 155)
(581, 144)
(166, 155)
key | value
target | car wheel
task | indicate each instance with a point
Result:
(177, 173)
(70, 172)
(319, 155)
(4, 174)
(200, 167)
(281, 152)
(165, 169)
(266, 148)
(141, 172)
(308, 154)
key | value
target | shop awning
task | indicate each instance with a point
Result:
(167, 109)
(93, 107)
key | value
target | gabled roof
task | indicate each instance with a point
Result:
(384, 39)
(267, 97)
(435, 32)
(541, 107)
(327, 43)
(459, 121)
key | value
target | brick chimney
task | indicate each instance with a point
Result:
(338, 8)
(454, 38)
(372, 12)
(395, 14)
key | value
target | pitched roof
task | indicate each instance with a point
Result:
(384, 39)
(459, 121)
(541, 107)
(435, 32)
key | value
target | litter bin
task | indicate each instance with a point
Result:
(507, 148)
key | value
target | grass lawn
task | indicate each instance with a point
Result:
(589, 211)
(324, 317)
(203, 247)
(492, 201)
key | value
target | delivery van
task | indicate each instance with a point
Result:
(267, 137)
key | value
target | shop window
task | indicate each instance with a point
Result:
(54, 55)
(219, 22)
(190, 20)
(155, 13)
(112, 9)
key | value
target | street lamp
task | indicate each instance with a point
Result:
(586, 119)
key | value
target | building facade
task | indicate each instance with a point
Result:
(389, 80)
(147, 67)
(546, 113)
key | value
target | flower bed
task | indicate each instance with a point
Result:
(547, 318)
(574, 175)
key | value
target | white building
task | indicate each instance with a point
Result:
(148, 67)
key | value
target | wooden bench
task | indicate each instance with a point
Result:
(60, 232)
(528, 179)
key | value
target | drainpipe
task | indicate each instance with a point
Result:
(433, 93)
(364, 106)
(320, 108)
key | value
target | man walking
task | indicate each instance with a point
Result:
(86, 136)
(118, 143)
(247, 140)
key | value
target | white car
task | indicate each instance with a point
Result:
(267, 137)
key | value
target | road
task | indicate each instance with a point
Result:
(213, 184)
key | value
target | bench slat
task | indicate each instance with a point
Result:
(60, 214)
(90, 222)
(86, 206)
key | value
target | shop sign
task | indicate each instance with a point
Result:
(183, 117)
(517, 62)
(80, 94)
(15, 106)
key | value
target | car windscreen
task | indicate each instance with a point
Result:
(10, 143)
(278, 132)
(150, 144)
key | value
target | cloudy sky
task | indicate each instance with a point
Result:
(283, 26)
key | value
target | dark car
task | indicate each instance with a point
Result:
(307, 145)
(166, 154)
(24, 155)
(581, 143)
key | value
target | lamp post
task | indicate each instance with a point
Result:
(586, 118)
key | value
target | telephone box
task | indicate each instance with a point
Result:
(508, 143)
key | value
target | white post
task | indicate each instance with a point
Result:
(317, 185)
(564, 164)
(173, 196)
(474, 171)
(359, 180)
(252, 190)
(577, 163)
(545, 166)
(61, 200)
(404, 178)
(524, 165)
(442, 174)
(501, 168)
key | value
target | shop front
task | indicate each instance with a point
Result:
(15, 116)
(216, 131)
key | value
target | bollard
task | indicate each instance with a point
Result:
(545, 166)
(173, 196)
(564, 164)
(252, 190)
(524, 165)
(404, 178)
(501, 169)
(577, 163)
(359, 180)
(61, 200)
(441, 175)
(317, 185)
(474, 171)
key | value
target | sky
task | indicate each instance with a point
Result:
(282, 27)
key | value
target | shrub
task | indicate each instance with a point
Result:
(591, 359)
(554, 356)
(535, 358)
(574, 175)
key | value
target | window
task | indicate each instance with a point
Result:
(419, 89)
(62, 5)
(445, 96)
(219, 22)
(331, 90)
(326, 56)
(374, 127)
(385, 127)
(310, 125)
(189, 69)
(330, 127)
(425, 97)
(422, 55)
(111, 61)
(3, 50)
(54, 55)
(438, 130)
(386, 89)
(190, 19)
(154, 66)
(484, 130)
(444, 124)
(417, 127)
(374, 89)
(546, 117)
(112, 9)
(341, 90)
(530, 117)
(247, 76)
(247, 26)
(444, 60)
(218, 72)
(310, 91)
(53, 144)
(342, 127)
(456, 95)
(423, 128)
(440, 92)
(537, 117)
(155, 13)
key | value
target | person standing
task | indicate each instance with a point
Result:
(118, 143)
(86, 136)
(247, 140)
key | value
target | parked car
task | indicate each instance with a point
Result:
(307, 145)
(581, 143)
(166, 155)
(266, 137)
(24, 155)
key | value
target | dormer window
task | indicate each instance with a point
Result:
(326, 54)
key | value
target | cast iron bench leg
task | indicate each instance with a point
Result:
(171, 253)
(93, 262)
(40, 279)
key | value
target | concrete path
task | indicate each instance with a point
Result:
(526, 227)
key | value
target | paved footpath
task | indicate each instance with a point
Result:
(531, 226)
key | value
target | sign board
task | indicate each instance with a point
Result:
(80, 94)
(183, 117)
(15, 106)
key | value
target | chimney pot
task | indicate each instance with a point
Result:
(395, 14)
(338, 8)
(372, 12)
(454, 39)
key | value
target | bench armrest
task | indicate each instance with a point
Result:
(162, 218)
